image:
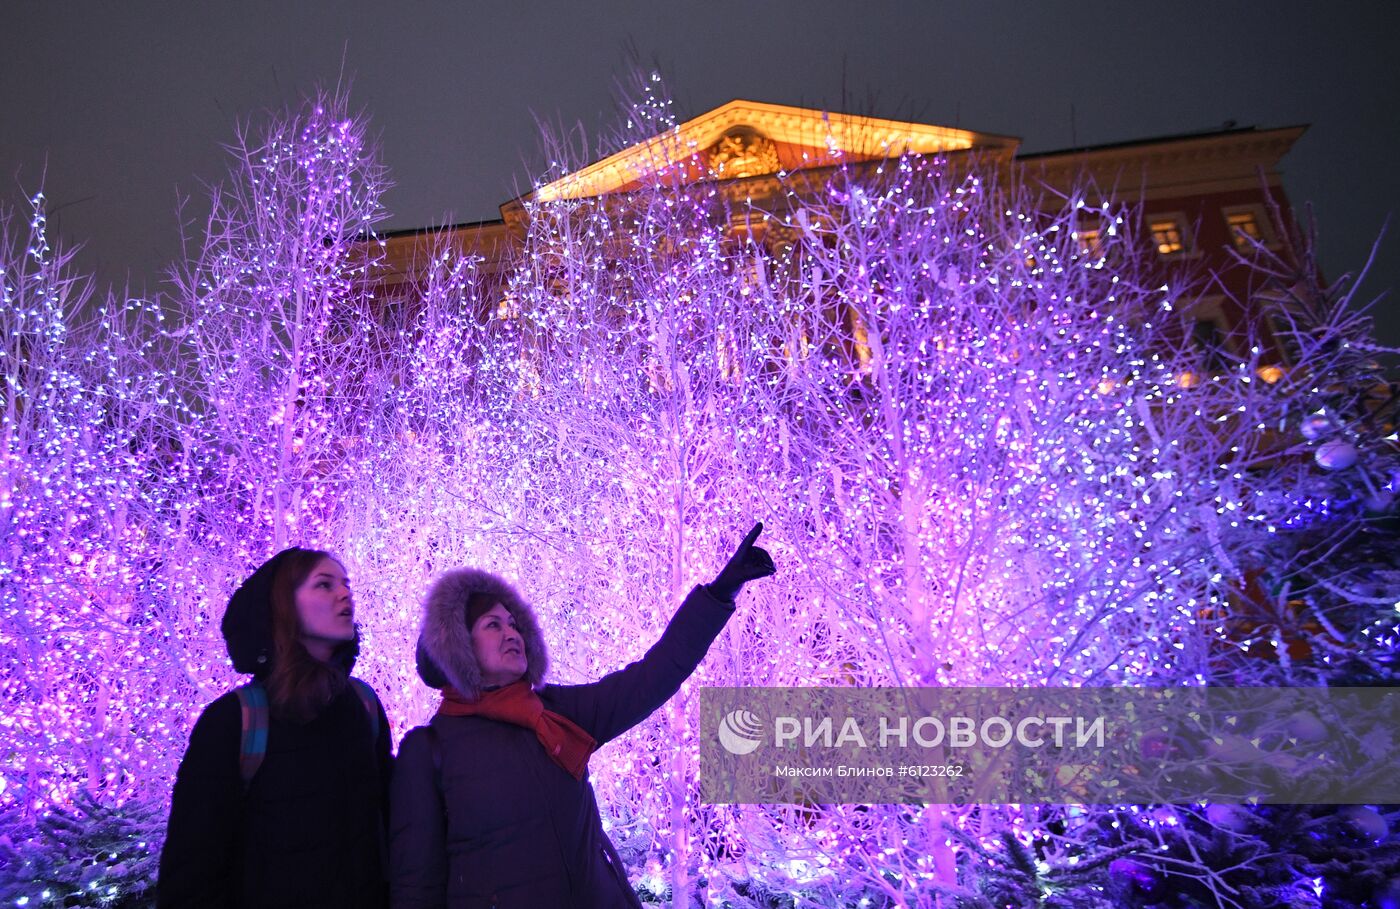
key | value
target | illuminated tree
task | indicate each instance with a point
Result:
(278, 328)
(148, 467)
(1318, 575)
(281, 379)
(427, 494)
(81, 590)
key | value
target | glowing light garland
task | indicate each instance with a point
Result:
(970, 439)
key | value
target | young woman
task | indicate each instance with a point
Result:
(281, 797)
(491, 802)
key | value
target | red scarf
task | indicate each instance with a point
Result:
(564, 740)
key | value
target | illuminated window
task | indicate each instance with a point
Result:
(1090, 242)
(1244, 229)
(1168, 234)
(1247, 227)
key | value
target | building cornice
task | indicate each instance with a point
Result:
(1179, 166)
(834, 136)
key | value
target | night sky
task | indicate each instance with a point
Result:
(126, 106)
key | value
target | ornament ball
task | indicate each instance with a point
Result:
(1336, 454)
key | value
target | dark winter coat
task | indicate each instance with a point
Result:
(308, 833)
(310, 829)
(509, 827)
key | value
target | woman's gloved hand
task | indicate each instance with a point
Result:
(748, 563)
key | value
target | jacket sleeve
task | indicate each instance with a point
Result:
(206, 809)
(417, 828)
(620, 700)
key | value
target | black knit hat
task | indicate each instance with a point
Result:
(247, 624)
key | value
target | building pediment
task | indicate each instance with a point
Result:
(744, 139)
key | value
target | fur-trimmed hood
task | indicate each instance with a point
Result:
(445, 654)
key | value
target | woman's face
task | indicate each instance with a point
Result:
(499, 648)
(325, 609)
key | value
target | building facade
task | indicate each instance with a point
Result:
(1204, 201)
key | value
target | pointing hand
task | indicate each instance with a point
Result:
(748, 563)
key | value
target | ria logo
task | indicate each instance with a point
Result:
(740, 732)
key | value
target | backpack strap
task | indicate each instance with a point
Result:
(252, 699)
(371, 702)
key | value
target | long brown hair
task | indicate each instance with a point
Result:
(299, 685)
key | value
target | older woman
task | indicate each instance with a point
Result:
(491, 803)
(281, 797)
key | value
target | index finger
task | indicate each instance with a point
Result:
(753, 535)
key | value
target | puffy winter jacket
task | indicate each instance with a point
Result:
(509, 827)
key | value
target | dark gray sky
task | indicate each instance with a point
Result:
(128, 104)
